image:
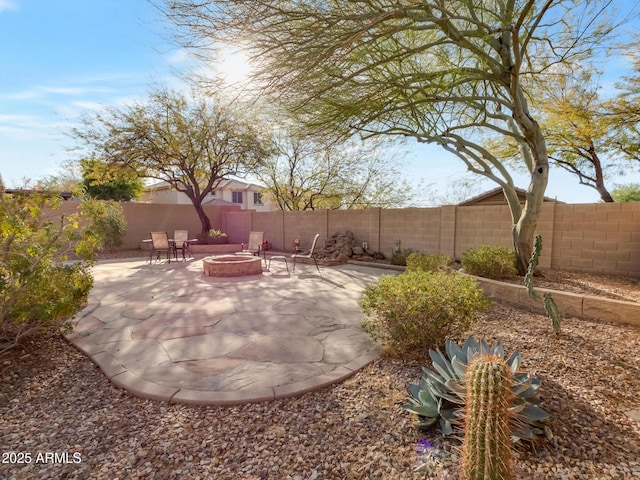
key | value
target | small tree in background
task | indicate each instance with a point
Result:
(314, 173)
(105, 182)
(39, 290)
(190, 143)
(629, 192)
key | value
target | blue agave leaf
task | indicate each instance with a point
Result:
(453, 349)
(414, 390)
(452, 398)
(458, 366)
(535, 414)
(528, 392)
(498, 350)
(427, 397)
(445, 426)
(470, 344)
(441, 364)
(434, 378)
(521, 431)
(522, 377)
(514, 361)
(427, 422)
(519, 388)
(429, 411)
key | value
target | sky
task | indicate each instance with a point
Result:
(65, 59)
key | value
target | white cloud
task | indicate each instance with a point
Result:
(7, 5)
(179, 57)
(42, 91)
(73, 91)
(89, 105)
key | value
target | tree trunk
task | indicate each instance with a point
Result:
(604, 194)
(204, 220)
(599, 180)
(524, 228)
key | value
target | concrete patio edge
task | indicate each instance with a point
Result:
(141, 388)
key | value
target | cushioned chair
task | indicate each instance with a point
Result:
(160, 243)
(181, 242)
(309, 255)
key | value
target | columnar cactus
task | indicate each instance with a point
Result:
(550, 307)
(487, 431)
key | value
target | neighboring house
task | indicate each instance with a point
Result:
(62, 195)
(248, 196)
(496, 197)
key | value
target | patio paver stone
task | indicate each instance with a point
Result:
(166, 332)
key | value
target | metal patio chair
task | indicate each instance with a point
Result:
(160, 243)
(181, 242)
(307, 255)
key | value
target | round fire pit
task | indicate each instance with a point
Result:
(232, 266)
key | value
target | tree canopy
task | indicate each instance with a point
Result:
(308, 174)
(623, 111)
(629, 192)
(190, 143)
(439, 72)
(103, 181)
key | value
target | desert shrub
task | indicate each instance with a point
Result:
(490, 262)
(39, 291)
(415, 311)
(107, 221)
(429, 262)
(399, 257)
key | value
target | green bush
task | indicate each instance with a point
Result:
(415, 311)
(429, 263)
(399, 257)
(490, 262)
(108, 222)
(39, 291)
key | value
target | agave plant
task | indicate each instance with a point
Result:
(440, 395)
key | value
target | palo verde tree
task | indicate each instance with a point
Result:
(623, 111)
(440, 72)
(309, 174)
(575, 127)
(190, 143)
(576, 133)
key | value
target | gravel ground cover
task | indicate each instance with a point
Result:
(609, 286)
(58, 407)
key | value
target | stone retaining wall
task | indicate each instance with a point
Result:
(570, 304)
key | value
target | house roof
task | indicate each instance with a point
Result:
(225, 184)
(500, 198)
(63, 195)
(218, 201)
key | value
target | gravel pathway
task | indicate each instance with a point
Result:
(56, 406)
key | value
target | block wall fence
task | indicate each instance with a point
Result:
(143, 218)
(599, 238)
